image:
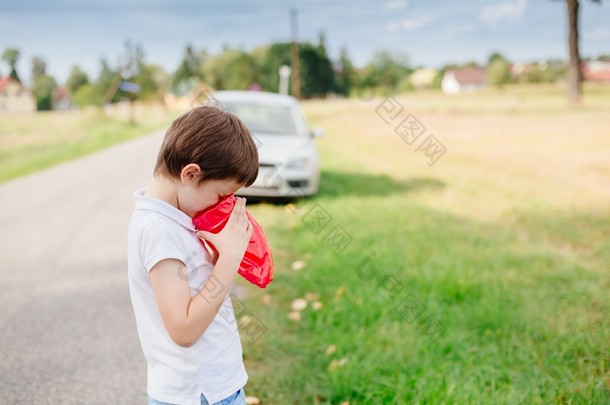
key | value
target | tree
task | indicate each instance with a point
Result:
(241, 71)
(574, 73)
(233, 69)
(76, 79)
(276, 55)
(385, 71)
(317, 75)
(86, 94)
(43, 84)
(189, 69)
(11, 57)
(346, 75)
(93, 93)
(43, 90)
(496, 56)
(106, 76)
(497, 72)
(541, 73)
(39, 68)
(151, 78)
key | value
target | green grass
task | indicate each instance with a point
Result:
(524, 324)
(30, 142)
(503, 290)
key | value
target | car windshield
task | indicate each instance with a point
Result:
(269, 119)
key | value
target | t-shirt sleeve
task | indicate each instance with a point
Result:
(159, 243)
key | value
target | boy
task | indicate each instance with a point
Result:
(193, 350)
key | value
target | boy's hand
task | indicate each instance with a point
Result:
(233, 240)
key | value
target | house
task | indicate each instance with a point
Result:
(521, 70)
(14, 97)
(596, 71)
(463, 80)
(61, 98)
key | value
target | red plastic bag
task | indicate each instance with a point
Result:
(257, 264)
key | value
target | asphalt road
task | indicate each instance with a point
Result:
(68, 334)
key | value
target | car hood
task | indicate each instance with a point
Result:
(273, 148)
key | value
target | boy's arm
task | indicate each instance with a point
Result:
(186, 318)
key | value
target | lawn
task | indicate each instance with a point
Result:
(30, 142)
(482, 278)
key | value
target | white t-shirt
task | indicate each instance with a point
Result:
(212, 366)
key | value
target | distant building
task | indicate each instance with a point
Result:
(596, 71)
(14, 97)
(463, 80)
(520, 71)
(423, 78)
(61, 98)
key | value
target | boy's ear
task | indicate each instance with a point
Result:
(190, 172)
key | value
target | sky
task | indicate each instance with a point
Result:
(65, 33)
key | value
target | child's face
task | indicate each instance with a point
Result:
(193, 198)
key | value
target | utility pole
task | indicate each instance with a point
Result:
(296, 66)
(129, 72)
(114, 87)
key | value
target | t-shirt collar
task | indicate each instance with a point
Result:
(144, 202)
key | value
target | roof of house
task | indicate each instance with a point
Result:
(469, 75)
(4, 81)
(61, 92)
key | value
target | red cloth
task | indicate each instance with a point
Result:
(257, 264)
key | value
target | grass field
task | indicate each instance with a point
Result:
(30, 142)
(480, 279)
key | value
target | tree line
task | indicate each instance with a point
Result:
(236, 69)
(232, 68)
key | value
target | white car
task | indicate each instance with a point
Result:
(289, 161)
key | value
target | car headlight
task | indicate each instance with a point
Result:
(300, 164)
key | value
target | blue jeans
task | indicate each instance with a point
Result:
(237, 398)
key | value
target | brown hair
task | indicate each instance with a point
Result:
(213, 138)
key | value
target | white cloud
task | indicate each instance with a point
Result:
(395, 4)
(410, 24)
(511, 10)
